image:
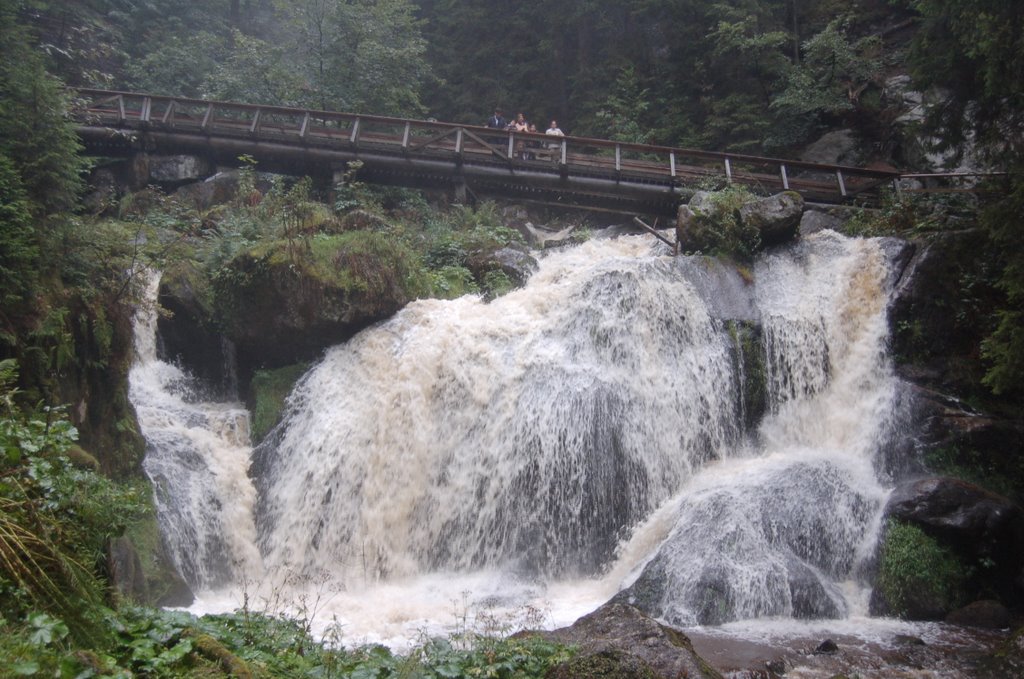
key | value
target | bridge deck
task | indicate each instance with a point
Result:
(642, 179)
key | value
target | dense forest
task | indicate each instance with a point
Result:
(764, 76)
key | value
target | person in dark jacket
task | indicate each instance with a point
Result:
(497, 121)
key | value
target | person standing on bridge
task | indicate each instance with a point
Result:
(554, 130)
(497, 121)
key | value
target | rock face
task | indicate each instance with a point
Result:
(284, 315)
(984, 528)
(617, 640)
(962, 513)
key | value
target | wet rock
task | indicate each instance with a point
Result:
(188, 336)
(827, 647)
(515, 264)
(620, 635)
(908, 640)
(962, 512)
(986, 613)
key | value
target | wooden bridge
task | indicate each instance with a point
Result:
(570, 171)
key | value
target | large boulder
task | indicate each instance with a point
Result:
(776, 217)
(985, 529)
(617, 640)
(736, 224)
(963, 513)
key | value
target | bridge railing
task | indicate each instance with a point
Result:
(569, 156)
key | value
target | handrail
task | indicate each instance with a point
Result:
(568, 157)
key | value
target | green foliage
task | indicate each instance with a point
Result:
(35, 133)
(270, 388)
(54, 520)
(621, 116)
(183, 65)
(18, 248)
(829, 81)
(916, 570)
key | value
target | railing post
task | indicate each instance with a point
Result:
(565, 145)
(842, 184)
(728, 170)
(785, 177)
(405, 135)
(511, 144)
(354, 137)
(458, 142)
(147, 104)
(120, 108)
(255, 122)
(304, 129)
(672, 163)
(207, 116)
(618, 158)
(168, 114)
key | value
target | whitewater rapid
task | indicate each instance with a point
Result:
(516, 463)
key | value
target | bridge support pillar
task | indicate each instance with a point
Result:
(459, 188)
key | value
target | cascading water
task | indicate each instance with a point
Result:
(197, 455)
(585, 425)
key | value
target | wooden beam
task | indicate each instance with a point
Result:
(655, 233)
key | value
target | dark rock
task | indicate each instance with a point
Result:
(621, 631)
(986, 613)
(775, 217)
(982, 527)
(187, 336)
(937, 329)
(776, 667)
(908, 640)
(125, 569)
(964, 513)
(827, 647)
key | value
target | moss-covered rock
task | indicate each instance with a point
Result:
(919, 578)
(283, 302)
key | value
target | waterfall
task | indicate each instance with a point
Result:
(197, 455)
(589, 427)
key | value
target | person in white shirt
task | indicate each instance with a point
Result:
(553, 130)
